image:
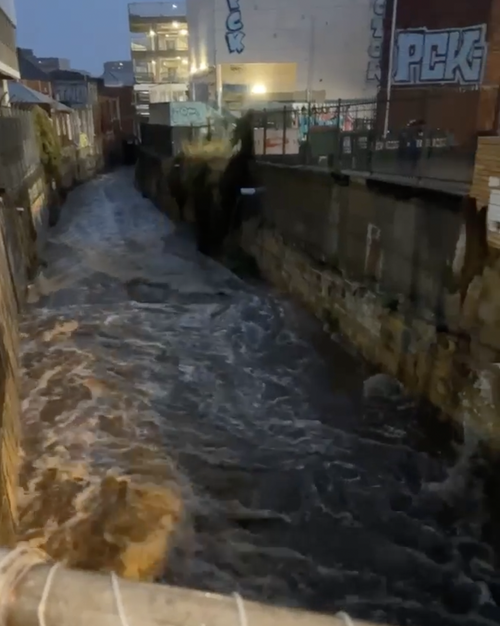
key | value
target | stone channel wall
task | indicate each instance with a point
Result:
(25, 212)
(407, 278)
(405, 275)
(18, 260)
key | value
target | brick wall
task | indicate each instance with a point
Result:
(125, 97)
(461, 112)
(486, 183)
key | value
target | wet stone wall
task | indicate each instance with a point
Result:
(395, 270)
(390, 272)
(18, 259)
(24, 223)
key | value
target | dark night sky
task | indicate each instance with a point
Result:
(88, 32)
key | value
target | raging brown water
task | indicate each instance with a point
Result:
(171, 408)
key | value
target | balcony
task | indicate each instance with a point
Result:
(157, 55)
(144, 78)
(161, 78)
(9, 67)
(174, 40)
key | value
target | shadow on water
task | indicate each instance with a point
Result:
(148, 363)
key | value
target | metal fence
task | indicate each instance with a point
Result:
(19, 155)
(423, 134)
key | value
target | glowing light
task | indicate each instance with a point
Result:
(175, 24)
(259, 89)
(152, 33)
(203, 67)
(184, 61)
(184, 31)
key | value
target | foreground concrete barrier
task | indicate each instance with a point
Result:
(49, 595)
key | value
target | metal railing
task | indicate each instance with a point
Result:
(177, 8)
(432, 134)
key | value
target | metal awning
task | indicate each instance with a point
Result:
(25, 95)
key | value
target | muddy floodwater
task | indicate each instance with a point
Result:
(292, 485)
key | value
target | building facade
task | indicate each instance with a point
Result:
(445, 66)
(9, 67)
(245, 48)
(160, 52)
(51, 64)
(118, 74)
(31, 74)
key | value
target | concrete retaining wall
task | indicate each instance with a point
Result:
(406, 276)
(390, 270)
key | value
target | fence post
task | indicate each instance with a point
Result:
(426, 136)
(284, 130)
(264, 140)
(339, 137)
(308, 147)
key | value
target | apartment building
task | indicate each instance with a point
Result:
(9, 67)
(160, 52)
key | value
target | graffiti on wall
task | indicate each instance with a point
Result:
(235, 29)
(454, 55)
(373, 72)
(306, 117)
(188, 114)
(72, 93)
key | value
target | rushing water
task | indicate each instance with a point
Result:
(150, 366)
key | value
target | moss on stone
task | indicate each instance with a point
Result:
(49, 145)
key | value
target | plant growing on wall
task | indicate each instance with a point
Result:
(49, 145)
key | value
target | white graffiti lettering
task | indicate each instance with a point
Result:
(373, 72)
(235, 33)
(455, 55)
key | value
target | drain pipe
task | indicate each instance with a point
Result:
(391, 66)
(36, 592)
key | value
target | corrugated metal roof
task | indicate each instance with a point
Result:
(23, 94)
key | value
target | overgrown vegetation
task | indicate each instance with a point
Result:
(49, 145)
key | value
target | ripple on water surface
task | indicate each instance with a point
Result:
(171, 409)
